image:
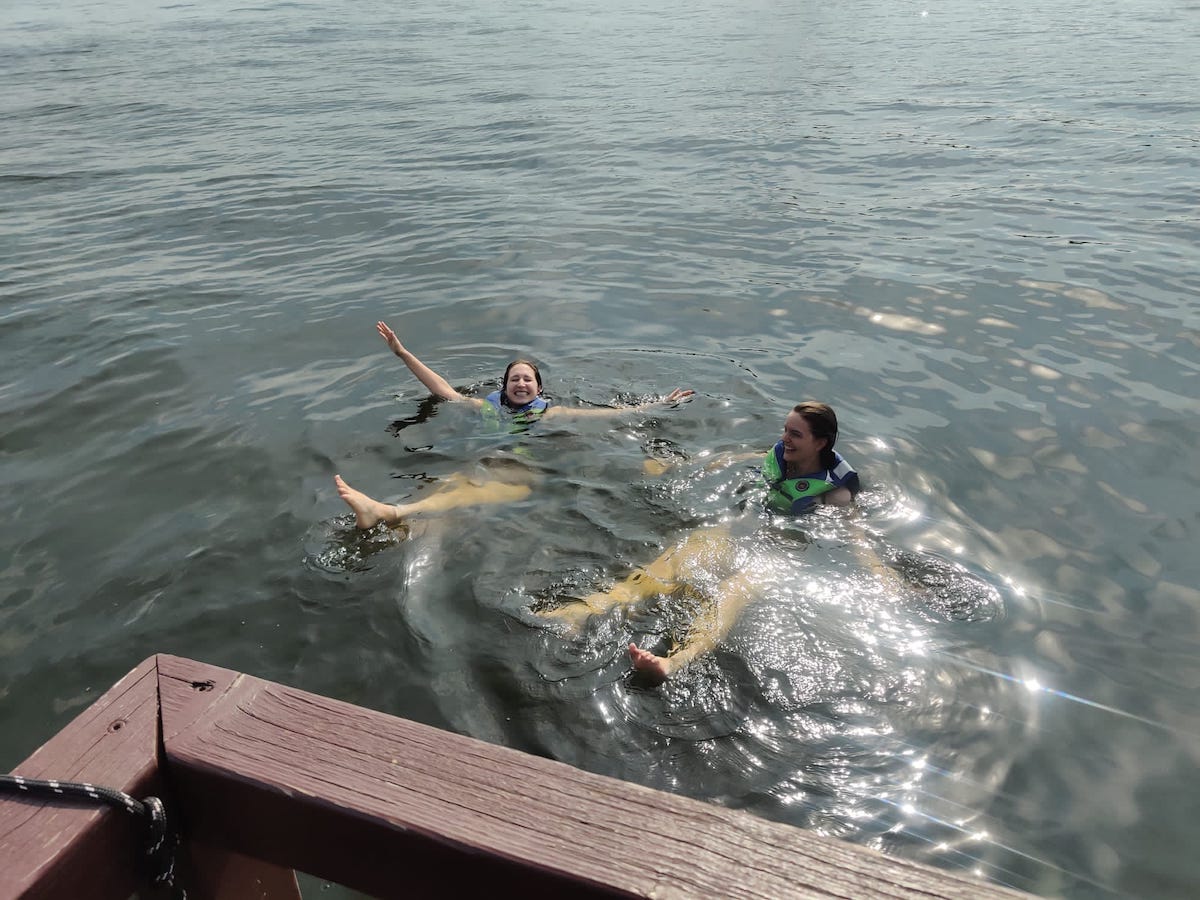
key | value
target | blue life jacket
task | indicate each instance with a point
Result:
(521, 417)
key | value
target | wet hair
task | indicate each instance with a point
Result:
(537, 376)
(822, 422)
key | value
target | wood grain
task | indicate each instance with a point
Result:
(395, 808)
(61, 850)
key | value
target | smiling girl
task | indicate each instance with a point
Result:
(520, 396)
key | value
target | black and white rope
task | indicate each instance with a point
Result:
(159, 841)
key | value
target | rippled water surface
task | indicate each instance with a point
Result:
(970, 227)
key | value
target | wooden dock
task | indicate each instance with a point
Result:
(266, 779)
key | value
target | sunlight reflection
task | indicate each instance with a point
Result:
(605, 712)
(846, 654)
(898, 322)
(1035, 686)
(1012, 585)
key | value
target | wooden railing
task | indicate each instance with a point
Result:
(266, 779)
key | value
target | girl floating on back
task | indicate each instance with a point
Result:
(801, 472)
(519, 398)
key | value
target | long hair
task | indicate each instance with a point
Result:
(537, 375)
(822, 422)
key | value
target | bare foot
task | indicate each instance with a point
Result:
(655, 667)
(367, 512)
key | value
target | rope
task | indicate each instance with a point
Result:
(160, 841)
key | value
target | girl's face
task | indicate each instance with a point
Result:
(521, 386)
(800, 448)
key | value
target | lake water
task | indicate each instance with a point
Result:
(970, 227)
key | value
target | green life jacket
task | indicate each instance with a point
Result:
(792, 495)
(516, 420)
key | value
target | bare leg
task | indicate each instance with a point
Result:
(870, 560)
(368, 512)
(459, 491)
(635, 587)
(706, 547)
(709, 629)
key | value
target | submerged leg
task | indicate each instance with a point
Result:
(707, 547)
(635, 587)
(870, 560)
(458, 491)
(708, 630)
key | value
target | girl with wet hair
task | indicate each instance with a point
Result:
(520, 397)
(800, 472)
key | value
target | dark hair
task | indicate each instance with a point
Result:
(537, 376)
(822, 422)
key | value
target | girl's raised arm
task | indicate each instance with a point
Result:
(438, 386)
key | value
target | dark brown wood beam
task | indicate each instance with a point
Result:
(67, 850)
(266, 778)
(398, 809)
(57, 850)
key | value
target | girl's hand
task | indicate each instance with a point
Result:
(674, 397)
(390, 336)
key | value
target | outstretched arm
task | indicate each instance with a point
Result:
(438, 386)
(676, 396)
